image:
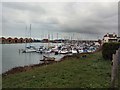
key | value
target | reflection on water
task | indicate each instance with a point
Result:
(11, 57)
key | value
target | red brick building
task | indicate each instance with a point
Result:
(2, 40)
(20, 40)
(26, 40)
(15, 40)
(9, 40)
(30, 40)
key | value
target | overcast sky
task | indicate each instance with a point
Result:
(79, 20)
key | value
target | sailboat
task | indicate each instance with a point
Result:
(29, 48)
(48, 49)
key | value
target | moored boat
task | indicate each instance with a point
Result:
(29, 49)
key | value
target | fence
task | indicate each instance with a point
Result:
(115, 73)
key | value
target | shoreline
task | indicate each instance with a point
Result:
(29, 67)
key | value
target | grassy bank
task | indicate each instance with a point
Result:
(73, 72)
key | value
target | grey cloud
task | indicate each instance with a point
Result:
(33, 7)
(89, 19)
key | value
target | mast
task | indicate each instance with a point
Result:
(48, 42)
(52, 39)
(57, 39)
(30, 34)
(73, 39)
(25, 36)
(48, 39)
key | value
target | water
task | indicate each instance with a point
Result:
(11, 57)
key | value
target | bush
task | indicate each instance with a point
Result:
(109, 49)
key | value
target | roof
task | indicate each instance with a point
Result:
(9, 38)
(110, 35)
(2, 38)
(15, 38)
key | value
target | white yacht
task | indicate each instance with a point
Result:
(29, 48)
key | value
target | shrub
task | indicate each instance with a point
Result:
(109, 49)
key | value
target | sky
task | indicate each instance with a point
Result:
(65, 20)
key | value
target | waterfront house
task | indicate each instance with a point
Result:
(26, 40)
(15, 40)
(110, 38)
(30, 40)
(9, 40)
(2, 40)
(20, 40)
(118, 39)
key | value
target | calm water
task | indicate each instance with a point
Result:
(11, 57)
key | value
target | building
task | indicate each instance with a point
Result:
(9, 40)
(110, 38)
(26, 40)
(20, 40)
(30, 40)
(45, 40)
(2, 40)
(118, 39)
(15, 40)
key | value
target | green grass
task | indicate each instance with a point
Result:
(91, 72)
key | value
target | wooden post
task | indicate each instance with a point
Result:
(119, 67)
(114, 73)
(117, 55)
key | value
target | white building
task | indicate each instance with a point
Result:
(118, 39)
(110, 38)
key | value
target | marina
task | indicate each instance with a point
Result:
(64, 48)
(59, 45)
(13, 55)
(25, 52)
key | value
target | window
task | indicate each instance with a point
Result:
(3, 41)
(15, 41)
(21, 41)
